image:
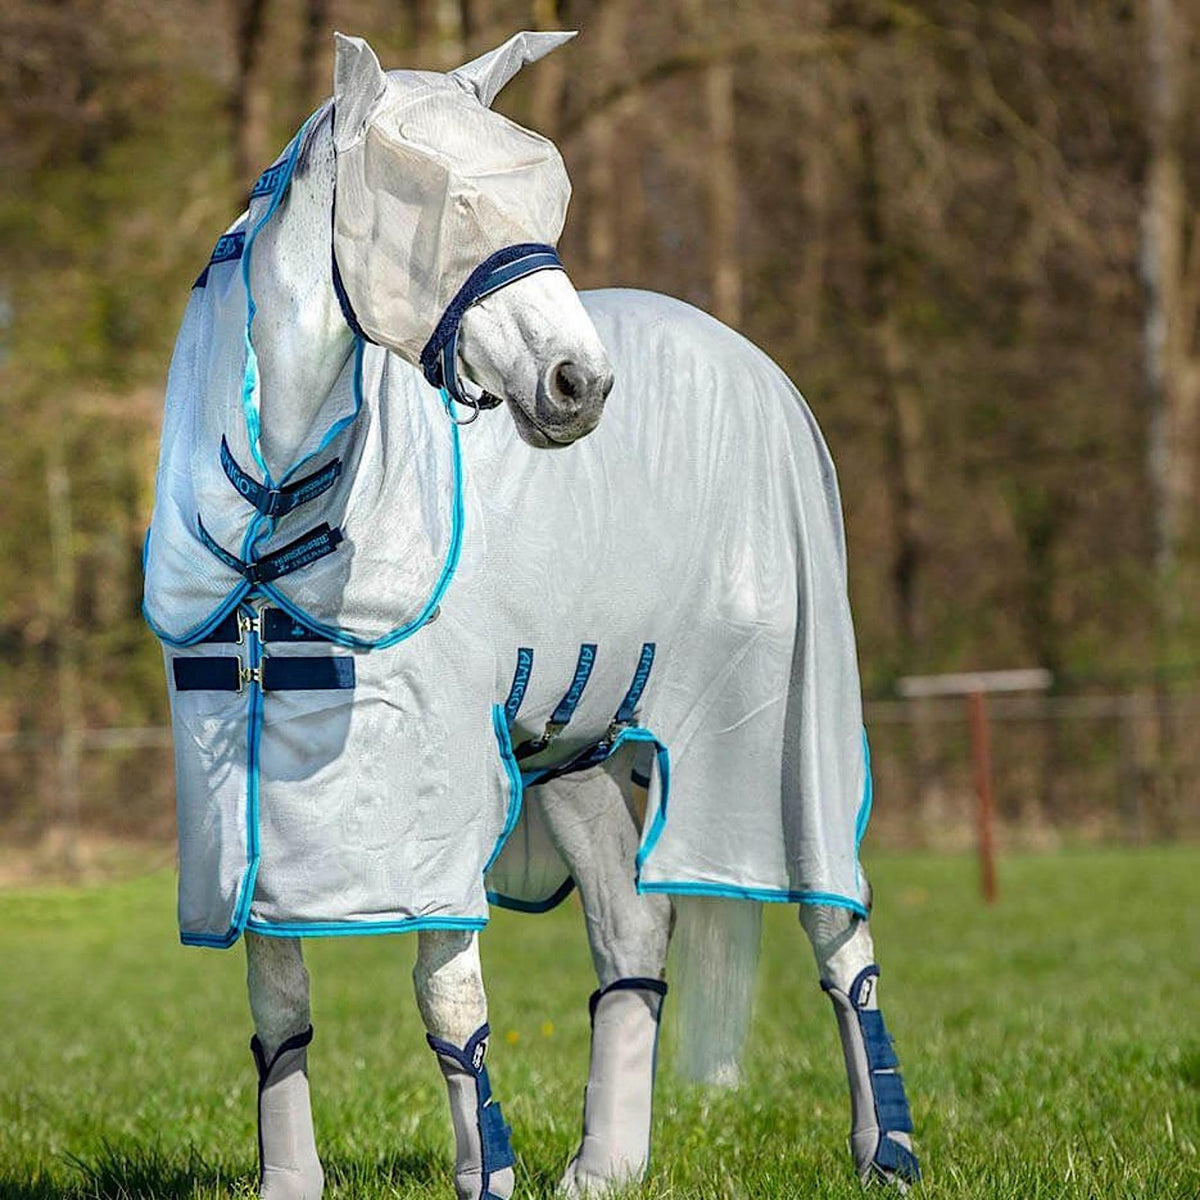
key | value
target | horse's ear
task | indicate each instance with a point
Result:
(488, 73)
(358, 81)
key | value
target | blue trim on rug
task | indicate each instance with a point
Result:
(308, 929)
(868, 796)
(516, 789)
(245, 894)
(763, 895)
(563, 890)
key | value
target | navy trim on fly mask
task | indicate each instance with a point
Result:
(439, 358)
(278, 502)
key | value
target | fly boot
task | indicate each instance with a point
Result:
(483, 1168)
(288, 1166)
(880, 1122)
(615, 1150)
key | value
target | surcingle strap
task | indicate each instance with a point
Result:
(278, 502)
(560, 718)
(305, 549)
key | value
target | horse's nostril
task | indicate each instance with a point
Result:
(569, 380)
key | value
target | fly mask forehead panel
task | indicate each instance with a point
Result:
(439, 201)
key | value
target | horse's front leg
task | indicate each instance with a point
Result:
(880, 1123)
(594, 822)
(289, 1168)
(450, 995)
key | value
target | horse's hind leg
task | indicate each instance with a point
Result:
(289, 1168)
(450, 995)
(594, 822)
(880, 1124)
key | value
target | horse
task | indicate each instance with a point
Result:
(604, 644)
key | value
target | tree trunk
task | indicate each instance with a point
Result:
(315, 72)
(1172, 290)
(250, 104)
(898, 399)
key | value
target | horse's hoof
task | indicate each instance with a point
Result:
(582, 1186)
(891, 1163)
(292, 1185)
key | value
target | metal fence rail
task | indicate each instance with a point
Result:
(1111, 767)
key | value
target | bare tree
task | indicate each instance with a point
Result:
(249, 105)
(1171, 278)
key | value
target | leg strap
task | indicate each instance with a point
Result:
(289, 1168)
(615, 1150)
(483, 1168)
(880, 1121)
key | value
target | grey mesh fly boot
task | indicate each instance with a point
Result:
(483, 1168)
(289, 1168)
(615, 1150)
(880, 1122)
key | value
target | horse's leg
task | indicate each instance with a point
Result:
(289, 1168)
(593, 820)
(450, 995)
(880, 1123)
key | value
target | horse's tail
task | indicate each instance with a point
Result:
(715, 963)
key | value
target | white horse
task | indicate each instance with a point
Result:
(657, 613)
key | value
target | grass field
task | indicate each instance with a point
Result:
(1051, 1046)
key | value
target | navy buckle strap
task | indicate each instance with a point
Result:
(278, 502)
(275, 673)
(306, 549)
(272, 625)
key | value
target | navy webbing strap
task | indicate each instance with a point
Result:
(275, 674)
(305, 549)
(207, 674)
(268, 181)
(637, 687)
(516, 693)
(278, 502)
(560, 718)
(228, 248)
(274, 626)
(583, 671)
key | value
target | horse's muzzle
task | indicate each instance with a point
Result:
(570, 400)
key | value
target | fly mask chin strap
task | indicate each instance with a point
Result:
(439, 358)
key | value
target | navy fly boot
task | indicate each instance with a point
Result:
(483, 1168)
(288, 1166)
(880, 1122)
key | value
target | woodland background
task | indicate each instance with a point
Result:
(969, 231)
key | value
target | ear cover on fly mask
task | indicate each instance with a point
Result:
(431, 184)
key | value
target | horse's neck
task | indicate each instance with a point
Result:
(300, 336)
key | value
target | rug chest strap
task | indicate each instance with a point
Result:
(274, 674)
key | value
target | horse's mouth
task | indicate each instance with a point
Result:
(533, 433)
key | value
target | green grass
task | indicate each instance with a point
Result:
(1051, 1046)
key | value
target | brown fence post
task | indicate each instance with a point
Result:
(981, 760)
